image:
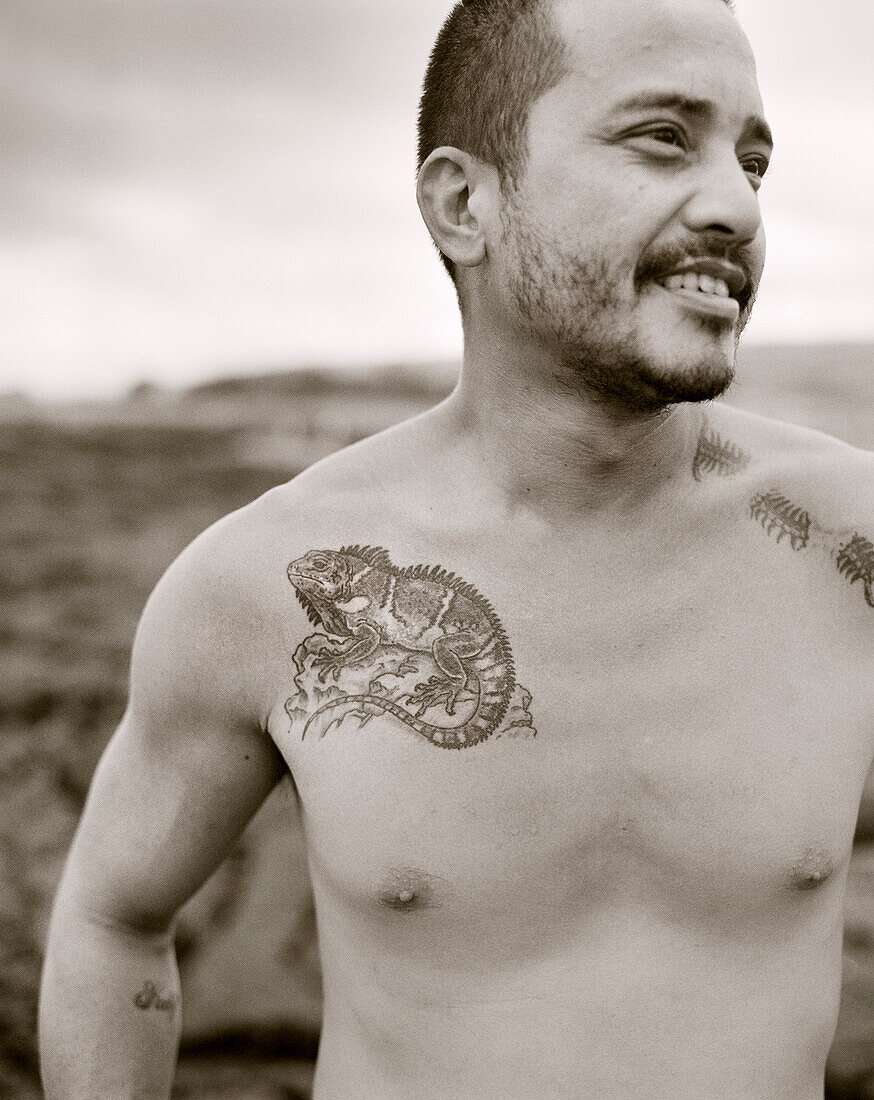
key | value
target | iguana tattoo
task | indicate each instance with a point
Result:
(357, 594)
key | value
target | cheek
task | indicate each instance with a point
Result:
(759, 252)
(569, 199)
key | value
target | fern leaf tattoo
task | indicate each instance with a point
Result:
(717, 456)
(855, 561)
(777, 513)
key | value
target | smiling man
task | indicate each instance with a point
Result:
(571, 674)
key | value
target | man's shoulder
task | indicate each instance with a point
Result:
(231, 568)
(826, 471)
(378, 476)
(781, 437)
(215, 631)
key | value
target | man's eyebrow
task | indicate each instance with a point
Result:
(754, 126)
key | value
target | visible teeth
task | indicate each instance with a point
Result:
(703, 284)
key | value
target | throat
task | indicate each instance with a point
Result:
(564, 456)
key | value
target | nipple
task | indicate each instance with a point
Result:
(813, 869)
(409, 890)
(403, 899)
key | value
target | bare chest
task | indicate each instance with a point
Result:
(694, 745)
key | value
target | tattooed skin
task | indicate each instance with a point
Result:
(149, 997)
(779, 516)
(856, 562)
(717, 456)
(416, 642)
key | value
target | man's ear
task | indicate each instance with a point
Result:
(453, 195)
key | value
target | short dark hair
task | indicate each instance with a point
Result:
(492, 61)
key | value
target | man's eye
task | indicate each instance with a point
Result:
(755, 166)
(668, 135)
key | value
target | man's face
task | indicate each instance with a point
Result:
(633, 245)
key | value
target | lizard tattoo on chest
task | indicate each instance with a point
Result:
(391, 623)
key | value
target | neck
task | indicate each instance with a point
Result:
(556, 450)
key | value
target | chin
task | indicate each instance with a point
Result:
(695, 383)
(691, 372)
(648, 375)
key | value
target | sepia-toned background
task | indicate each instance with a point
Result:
(212, 273)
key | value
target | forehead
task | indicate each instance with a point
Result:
(622, 47)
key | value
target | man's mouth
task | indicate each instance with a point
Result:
(709, 287)
(701, 284)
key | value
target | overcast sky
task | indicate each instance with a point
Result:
(193, 187)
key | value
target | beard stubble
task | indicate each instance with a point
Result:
(580, 309)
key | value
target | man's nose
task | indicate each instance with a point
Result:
(725, 202)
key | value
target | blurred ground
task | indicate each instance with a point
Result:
(97, 500)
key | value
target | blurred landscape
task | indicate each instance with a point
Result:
(98, 498)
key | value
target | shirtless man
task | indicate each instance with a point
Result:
(572, 673)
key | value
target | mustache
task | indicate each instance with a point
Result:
(659, 264)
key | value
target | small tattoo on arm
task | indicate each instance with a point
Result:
(149, 997)
(717, 456)
(777, 513)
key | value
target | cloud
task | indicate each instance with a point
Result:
(217, 184)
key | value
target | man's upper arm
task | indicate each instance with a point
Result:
(190, 763)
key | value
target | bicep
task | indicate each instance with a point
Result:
(161, 814)
(190, 763)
